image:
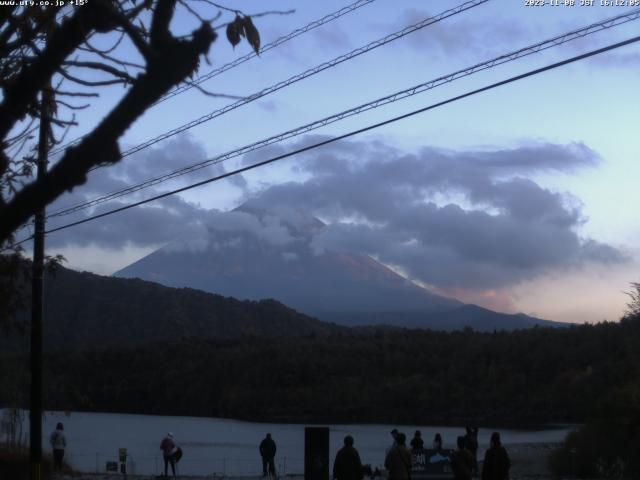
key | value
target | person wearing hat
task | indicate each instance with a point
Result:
(58, 443)
(347, 465)
(169, 448)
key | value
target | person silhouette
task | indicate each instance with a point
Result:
(347, 465)
(398, 460)
(58, 443)
(169, 449)
(496, 461)
(268, 453)
(417, 444)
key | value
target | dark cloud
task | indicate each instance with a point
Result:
(332, 37)
(470, 219)
(504, 227)
(177, 152)
(461, 35)
(617, 60)
(173, 154)
(156, 223)
(267, 227)
(467, 38)
(268, 105)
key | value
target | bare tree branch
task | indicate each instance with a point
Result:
(91, 49)
(73, 107)
(22, 91)
(134, 35)
(63, 123)
(159, 32)
(76, 94)
(193, 12)
(90, 83)
(115, 45)
(212, 94)
(101, 66)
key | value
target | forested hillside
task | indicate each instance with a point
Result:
(84, 310)
(523, 377)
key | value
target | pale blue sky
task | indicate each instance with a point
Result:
(594, 103)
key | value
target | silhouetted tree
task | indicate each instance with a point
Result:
(633, 307)
(42, 46)
(62, 49)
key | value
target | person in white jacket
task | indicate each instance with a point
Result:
(58, 443)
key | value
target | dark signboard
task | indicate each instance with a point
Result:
(316, 453)
(431, 464)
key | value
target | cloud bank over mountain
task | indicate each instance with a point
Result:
(471, 219)
(454, 221)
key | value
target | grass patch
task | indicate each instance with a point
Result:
(599, 449)
(14, 463)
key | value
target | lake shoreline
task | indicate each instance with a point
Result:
(230, 447)
(529, 462)
(485, 423)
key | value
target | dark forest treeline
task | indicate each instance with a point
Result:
(412, 376)
(84, 310)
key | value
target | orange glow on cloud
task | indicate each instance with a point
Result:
(499, 300)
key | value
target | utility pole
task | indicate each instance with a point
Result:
(37, 290)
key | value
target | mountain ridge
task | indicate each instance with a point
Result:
(252, 253)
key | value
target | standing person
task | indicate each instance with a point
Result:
(437, 442)
(398, 460)
(462, 461)
(268, 453)
(394, 434)
(417, 444)
(471, 442)
(58, 443)
(169, 448)
(347, 465)
(496, 461)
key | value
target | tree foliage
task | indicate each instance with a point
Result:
(84, 310)
(633, 306)
(599, 449)
(525, 377)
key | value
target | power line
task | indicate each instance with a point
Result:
(357, 132)
(245, 58)
(301, 76)
(306, 74)
(295, 33)
(540, 46)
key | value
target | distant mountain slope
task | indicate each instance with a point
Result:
(87, 310)
(315, 284)
(255, 254)
(478, 318)
(264, 256)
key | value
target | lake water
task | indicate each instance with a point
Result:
(230, 447)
